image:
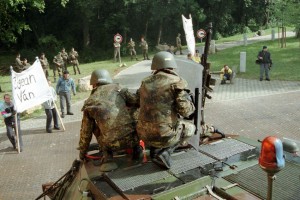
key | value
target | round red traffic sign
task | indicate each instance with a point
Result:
(118, 38)
(201, 33)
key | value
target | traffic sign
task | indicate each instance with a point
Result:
(201, 33)
(118, 38)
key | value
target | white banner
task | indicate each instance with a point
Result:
(30, 87)
(189, 34)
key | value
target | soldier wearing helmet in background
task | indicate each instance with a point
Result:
(58, 65)
(164, 100)
(64, 55)
(106, 110)
(73, 57)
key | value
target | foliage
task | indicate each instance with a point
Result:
(90, 25)
(285, 65)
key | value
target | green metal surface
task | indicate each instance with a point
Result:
(254, 180)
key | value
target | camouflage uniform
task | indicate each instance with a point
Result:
(163, 96)
(45, 65)
(73, 57)
(106, 109)
(58, 65)
(64, 55)
(117, 47)
(178, 44)
(19, 64)
(131, 45)
(144, 46)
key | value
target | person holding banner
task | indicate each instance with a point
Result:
(50, 111)
(9, 114)
(64, 86)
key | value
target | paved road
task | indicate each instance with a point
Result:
(248, 107)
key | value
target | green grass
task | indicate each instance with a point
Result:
(286, 65)
(285, 60)
(85, 69)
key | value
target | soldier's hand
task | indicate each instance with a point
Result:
(82, 155)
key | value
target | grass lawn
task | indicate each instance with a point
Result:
(285, 60)
(285, 66)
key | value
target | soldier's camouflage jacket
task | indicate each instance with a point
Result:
(162, 97)
(106, 111)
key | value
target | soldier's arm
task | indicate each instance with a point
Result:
(183, 99)
(130, 98)
(86, 132)
(73, 87)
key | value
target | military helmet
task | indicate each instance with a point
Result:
(100, 76)
(163, 60)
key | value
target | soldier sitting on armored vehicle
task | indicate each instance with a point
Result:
(164, 100)
(107, 108)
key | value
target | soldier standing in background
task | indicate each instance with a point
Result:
(178, 44)
(26, 65)
(106, 110)
(64, 55)
(131, 46)
(144, 46)
(19, 63)
(73, 57)
(58, 65)
(164, 100)
(45, 64)
(117, 54)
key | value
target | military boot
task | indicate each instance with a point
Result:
(107, 162)
(163, 158)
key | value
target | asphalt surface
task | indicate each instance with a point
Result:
(250, 108)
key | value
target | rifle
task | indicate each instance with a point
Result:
(206, 75)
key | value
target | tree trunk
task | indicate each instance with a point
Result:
(86, 33)
(159, 32)
(146, 29)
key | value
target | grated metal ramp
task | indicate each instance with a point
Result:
(225, 148)
(285, 187)
(187, 160)
(137, 176)
(147, 173)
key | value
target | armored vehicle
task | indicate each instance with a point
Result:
(213, 166)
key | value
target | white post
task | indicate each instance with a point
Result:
(245, 39)
(273, 34)
(212, 46)
(242, 61)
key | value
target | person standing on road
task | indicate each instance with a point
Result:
(131, 47)
(164, 100)
(144, 46)
(265, 63)
(64, 87)
(9, 113)
(117, 53)
(178, 44)
(106, 110)
(50, 111)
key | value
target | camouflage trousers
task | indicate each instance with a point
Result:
(163, 135)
